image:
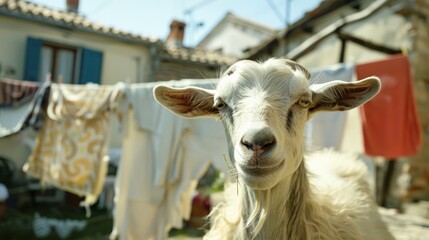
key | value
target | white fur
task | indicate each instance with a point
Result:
(278, 193)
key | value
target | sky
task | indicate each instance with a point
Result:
(152, 18)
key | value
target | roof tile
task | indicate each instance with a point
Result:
(199, 55)
(19, 8)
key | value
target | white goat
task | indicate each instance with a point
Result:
(264, 107)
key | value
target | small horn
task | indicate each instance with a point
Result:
(295, 66)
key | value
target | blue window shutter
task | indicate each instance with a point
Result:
(90, 66)
(32, 59)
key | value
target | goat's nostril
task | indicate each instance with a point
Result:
(267, 145)
(258, 141)
(269, 142)
(247, 144)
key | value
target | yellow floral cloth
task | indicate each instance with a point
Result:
(71, 147)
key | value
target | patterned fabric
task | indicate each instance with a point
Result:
(71, 147)
(16, 92)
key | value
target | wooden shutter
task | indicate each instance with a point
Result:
(32, 59)
(90, 66)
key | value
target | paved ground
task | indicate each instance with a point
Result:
(412, 225)
(408, 226)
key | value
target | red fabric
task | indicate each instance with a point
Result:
(391, 127)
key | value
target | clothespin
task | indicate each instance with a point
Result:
(48, 78)
(404, 51)
(60, 79)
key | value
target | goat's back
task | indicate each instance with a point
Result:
(339, 181)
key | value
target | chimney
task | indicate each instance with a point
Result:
(177, 33)
(72, 6)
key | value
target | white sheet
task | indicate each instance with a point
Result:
(163, 158)
(338, 130)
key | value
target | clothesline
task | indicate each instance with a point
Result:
(163, 156)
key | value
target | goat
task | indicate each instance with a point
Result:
(264, 107)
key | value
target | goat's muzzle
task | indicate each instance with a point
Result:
(257, 145)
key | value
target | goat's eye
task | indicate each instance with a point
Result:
(303, 102)
(219, 104)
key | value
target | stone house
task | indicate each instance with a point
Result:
(358, 31)
(235, 36)
(36, 40)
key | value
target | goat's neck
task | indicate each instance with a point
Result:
(284, 205)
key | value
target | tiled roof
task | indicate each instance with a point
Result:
(198, 55)
(36, 12)
(71, 20)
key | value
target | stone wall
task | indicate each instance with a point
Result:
(417, 168)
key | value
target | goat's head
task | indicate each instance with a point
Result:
(264, 107)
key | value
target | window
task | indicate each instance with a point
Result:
(77, 65)
(59, 61)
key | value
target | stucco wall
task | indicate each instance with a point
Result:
(233, 38)
(121, 60)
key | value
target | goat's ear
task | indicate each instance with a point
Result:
(341, 96)
(189, 102)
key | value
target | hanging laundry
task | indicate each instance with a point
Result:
(16, 92)
(71, 146)
(391, 126)
(20, 105)
(331, 129)
(163, 158)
